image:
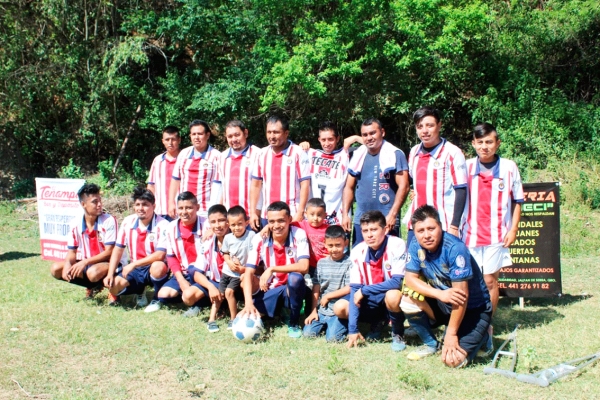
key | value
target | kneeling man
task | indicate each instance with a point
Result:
(455, 293)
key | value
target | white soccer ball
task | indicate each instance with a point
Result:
(247, 329)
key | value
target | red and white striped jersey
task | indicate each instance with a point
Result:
(142, 241)
(328, 174)
(187, 250)
(235, 172)
(281, 175)
(263, 249)
(392, 261)
(91, 243)
(213, 260)
(197, 171)
(491, 195)
(435, 176)
(160, 175)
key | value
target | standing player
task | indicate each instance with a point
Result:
(285, 256)
(282, 173)
(94, 237)
(375, 279)
(378, 172)
(161, 171)
(329, 169)
(236, 166)
(438, 170)
(144, 236)
(494, 213)
(196, 168)
(455, 293)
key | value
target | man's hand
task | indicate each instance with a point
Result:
(207, 235)
(346, 223)
(509, 238)
(109, 281)
(66, 273)
(214, 294)
(354, 340)
(234, 264)
(390, 221)
(324, 301)
(453, 296)
(265, 232)
(77, 269)
(172, 211)
(453, 230)
(254, 222)
(452, 353)
(127, 269)
(184, 285)
(304, 146)
(249, 311)
(299, 217)
(358, 296)
(313, 316)
(264, 279)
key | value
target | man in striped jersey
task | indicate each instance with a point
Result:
(144, 236)
(375, 278)
(494, 207)
(285, 254)
(161, 171)
(90, 243)
(439, 174)
(282, 173)
(236, 166)
(196, 169)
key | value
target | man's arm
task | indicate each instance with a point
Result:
(69, 261)
(347, 198)
(453, 295)
(112, 265)
(350, 140)
(314, 316)
(304, 192)
(336, 294)
(151, 187)
(173, 190)
(255, 188)
(390, 284)
(452, 353)
(403, 187)
(213, 292)
(512, 234)
(104, 256)
(301, 267)
(247, 289)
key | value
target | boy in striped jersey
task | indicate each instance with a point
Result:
(144, 236)
(161, 171)
(90, 243)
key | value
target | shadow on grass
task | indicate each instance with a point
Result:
(16, 255)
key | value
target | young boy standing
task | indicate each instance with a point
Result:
(330, 283)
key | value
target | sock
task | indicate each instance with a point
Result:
(397, 319)
(420, 323)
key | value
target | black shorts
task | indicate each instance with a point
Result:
(229, 282)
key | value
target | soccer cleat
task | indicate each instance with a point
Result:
(113, 300)
(294, 332)
(398, 343)
(154, 305)
(230, 325)
(422, 352)
(142, 301)
(376, 329)
(212, 327)
(192, 312)
(91, 293)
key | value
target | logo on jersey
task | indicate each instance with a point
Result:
(205, 165)
(421, 254)
(100, 237)
(151, 237)
(289, 160)
(387, 266)
(247, 162)
(290, 252)
(501, 184)
(384, 175)
(436, 164)
(460, 262)
(384, 198)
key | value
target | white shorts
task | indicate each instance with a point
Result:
(492, 258)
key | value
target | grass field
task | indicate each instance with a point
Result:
(56, 345)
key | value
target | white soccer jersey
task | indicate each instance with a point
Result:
(197, 172)
(160, 176)
(142, 243)
(235, 172)
(187, 252)
(91, 243)
(262, 249)
(489, 208)
(435, 176)
(213, 260)
(281, 175)
(328, 173)
(393, 262)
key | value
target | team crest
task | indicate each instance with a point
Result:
(247, 162)
(436, 164)
(501, 185)
(384, 198)
(421, 254)
(387, 266)
(151, 237)
(289, 161)
(205, 164)
(290, 252)
(460, 262)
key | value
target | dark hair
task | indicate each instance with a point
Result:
(236, 123)
(483, 129)
(372, 120)
(316, 202)
(171, 130)
(273, 119)
(328, 126)
(426, 112)
(236, 211)
(335, 232)
(373, 216)
(217, 209)
(187, 196)
(141, 193)
(279, 206)
(424, 212)
(87, 189)
(199, 122)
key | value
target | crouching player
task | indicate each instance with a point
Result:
(375, 279)
(94, 235)
(285, 256)
(455, 293)
(330, 283)
(144, 236)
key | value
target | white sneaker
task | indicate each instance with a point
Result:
(142, 301)
(192, 312)
(155, 305)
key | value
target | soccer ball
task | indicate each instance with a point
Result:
(247, 329)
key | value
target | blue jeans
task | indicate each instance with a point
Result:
(335, 330)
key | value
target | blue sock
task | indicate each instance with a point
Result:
(397, 319)
(420, 323)
(158, 283)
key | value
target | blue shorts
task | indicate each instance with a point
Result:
(268, 302)
(173, 284)
(335, 330)
(138, 279)
(205, 301)
(372, 308)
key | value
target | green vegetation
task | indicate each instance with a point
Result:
(74, 72)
